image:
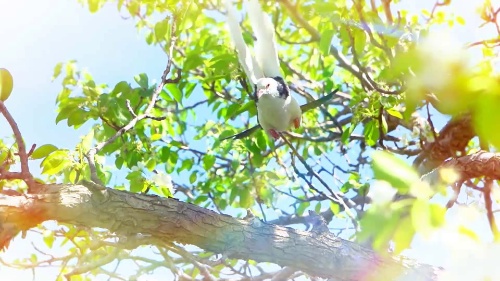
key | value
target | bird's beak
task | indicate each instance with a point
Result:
(260, 93)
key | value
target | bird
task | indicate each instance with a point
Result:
(304, 108)
(277, 109)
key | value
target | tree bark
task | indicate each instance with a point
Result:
(165, 220)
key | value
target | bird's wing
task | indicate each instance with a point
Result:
(243, 134)
(247, 61)
(318, 102)
(266, 51)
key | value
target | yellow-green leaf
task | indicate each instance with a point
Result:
(43, 151)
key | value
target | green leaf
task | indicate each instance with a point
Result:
(93, 5)
(176, 143)
(136, 181)
(174, 90)
(149, 37)
(421, 216)
(326, 41)
(208, 161)
(43, 151)
(164, 154)
(317, 209)
(371, 133)
(192, 61)
(155, 137)
(133, 8)
(231, 110)
(200, 199)
(193, 177)
(302, 207)
(487, 117)
(359, 42)
(64, 113)
(142, 80)
(121, 87)
(438, 214)
(335, 208)
(55, 162)
(57, 70)
(161, 29)
(86, 142)
(174, 157)
(395, 113)
(77, 118)
(187, 164)
(246, 198)
(119, 4)
(48, 238)
(384, 234)
(151, 164)
(257, 159)
(260, 141)
(403, 236)
(384, 125)
(460, 20)
(469, 233)
(188, 89)
(245, 107)
(394, 170)
(119, 162)
(226, 133)
(347, 134)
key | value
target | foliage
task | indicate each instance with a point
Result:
(390, 73)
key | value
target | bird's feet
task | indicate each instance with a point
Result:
(274, 133)
(296, 122)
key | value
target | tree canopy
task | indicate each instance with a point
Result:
(409, 137)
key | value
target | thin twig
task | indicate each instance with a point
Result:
(429, 120)
(386, 4)
(338, 198)
(487, 202)
(146, 114)
(381, 127)
(294, 14)
(21, 147)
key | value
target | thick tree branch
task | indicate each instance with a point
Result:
(166, 220)
(477, 165)
(451, 140)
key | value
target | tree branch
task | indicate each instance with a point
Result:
(25, 174)
(166, 220)
(90, 155)
(489, 210)
(452, 139)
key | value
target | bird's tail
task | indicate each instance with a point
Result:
(266, 51)
(247, 61)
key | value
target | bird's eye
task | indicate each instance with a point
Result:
(268, 85)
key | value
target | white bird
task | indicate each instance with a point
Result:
(277, 110)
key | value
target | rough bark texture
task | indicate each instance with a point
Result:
(168, 220)
(451, 140)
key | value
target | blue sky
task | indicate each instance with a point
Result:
(37, 34)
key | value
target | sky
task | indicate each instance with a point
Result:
(37, 34)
